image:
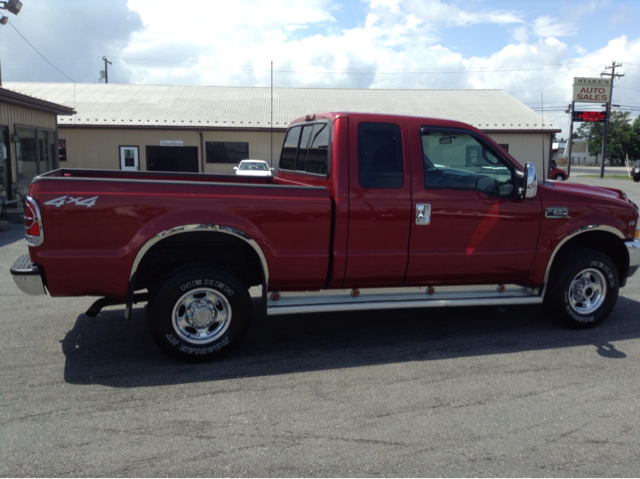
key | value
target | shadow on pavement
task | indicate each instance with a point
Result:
(110, 351)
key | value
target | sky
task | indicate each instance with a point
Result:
(531, 49)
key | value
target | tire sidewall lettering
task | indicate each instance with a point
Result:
(573, 314)
(194, 350)
(207, 283)
(605, 269)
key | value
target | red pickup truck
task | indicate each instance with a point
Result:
(366, 212)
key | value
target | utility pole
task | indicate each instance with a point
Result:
(569, 145)
(106, 72)
(608, 111)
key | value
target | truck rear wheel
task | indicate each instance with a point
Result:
(582, 289)
(199, 314)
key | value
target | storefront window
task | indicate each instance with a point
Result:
(26, 153)
(226, 151)
(46, 141)
(35, 152)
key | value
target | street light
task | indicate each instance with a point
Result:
(14, 6)
(4, 20)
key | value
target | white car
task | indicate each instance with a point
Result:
(253, 168)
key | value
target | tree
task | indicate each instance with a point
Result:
(634, 150)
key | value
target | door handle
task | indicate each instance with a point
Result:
(423, 214)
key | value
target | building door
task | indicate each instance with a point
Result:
(5, 163)
(172, 158)
(129, 160)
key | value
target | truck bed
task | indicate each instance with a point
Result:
(96, 222)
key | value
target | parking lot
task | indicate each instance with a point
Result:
(437, 392)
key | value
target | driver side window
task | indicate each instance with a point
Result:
(457, 160)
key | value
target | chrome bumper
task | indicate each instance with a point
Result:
(633, 247)
(27, 276)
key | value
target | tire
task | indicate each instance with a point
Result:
(636, 178)
(559, 178)
(582, 290)
(200, 314)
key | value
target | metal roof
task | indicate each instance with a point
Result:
(217, 107)
(26, 101)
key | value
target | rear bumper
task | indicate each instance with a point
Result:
(28, 276)
(633, 247)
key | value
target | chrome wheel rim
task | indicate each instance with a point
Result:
(588, 291)
(201, 316)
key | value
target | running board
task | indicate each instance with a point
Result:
(395, 298)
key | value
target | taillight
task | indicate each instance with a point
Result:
(33, 223)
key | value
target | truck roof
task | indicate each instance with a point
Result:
(378, 117)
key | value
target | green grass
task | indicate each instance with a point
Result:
(615, 177)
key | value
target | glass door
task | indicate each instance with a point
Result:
(5, 166)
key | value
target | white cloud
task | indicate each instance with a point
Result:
(547, 26)
(437, 12)
(520, 34)
(393, 5)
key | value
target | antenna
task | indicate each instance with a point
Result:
(545, 173)
(271, 157)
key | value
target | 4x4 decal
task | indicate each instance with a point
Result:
(68, 200)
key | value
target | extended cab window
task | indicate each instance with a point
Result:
(457, 160)
(380, 160)
(306, 149)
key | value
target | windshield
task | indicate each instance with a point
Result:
(253, 165)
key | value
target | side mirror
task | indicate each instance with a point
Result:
(530, 182)
(235, 168)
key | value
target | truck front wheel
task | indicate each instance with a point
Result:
(582, 290)
(199, 315)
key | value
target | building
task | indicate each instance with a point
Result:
(580, 154)
(210, 129)
(28, 138)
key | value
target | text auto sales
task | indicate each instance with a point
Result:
(592, 94)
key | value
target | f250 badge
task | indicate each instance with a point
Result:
(69, 200)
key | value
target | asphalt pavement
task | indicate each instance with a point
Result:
(439, 392)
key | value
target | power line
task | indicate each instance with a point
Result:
(352, 71)
(36, 50)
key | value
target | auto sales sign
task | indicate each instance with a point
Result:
(592, 90)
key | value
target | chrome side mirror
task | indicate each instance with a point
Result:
(530, 181)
